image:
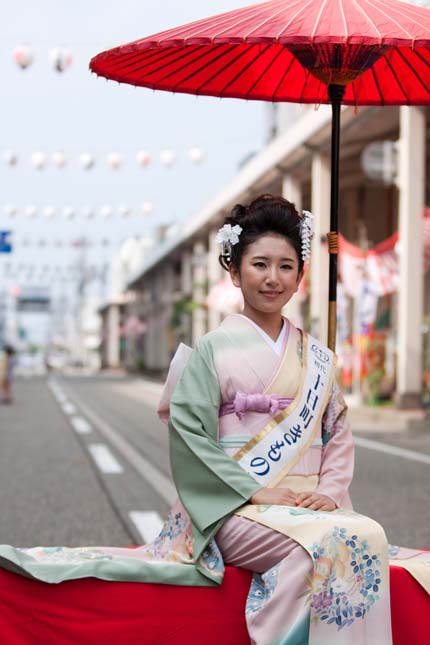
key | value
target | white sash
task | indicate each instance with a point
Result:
(267, 458)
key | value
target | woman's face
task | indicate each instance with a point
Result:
(269, 273)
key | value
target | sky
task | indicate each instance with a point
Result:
(77, 112)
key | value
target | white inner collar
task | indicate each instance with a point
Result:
(277, 344)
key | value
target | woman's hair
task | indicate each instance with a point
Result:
(265, 214)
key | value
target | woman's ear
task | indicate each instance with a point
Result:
(234, 275)
(299, 279)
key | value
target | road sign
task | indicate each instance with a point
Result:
(5, 242)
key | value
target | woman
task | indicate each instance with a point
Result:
(262, 457)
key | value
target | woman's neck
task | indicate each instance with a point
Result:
(271, 323)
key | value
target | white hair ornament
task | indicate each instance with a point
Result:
(306, 234)
(228, 236)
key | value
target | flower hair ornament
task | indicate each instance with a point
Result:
(306, 234)
(228, 236)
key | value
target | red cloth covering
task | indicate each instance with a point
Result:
(95, 612)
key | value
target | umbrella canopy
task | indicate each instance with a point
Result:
(359, 52)
(288, 50)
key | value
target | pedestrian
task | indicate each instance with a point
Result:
(262, 458)
(7, 363)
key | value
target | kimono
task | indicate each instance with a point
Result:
(246, 412)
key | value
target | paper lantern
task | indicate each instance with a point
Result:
(23, 56)
(59, 159)
(38, 159)
(168, 157)
(10, 209)
(106, 211)
(86, 160)
(10, 157)
(88, 212)
(49, 212)
(146, 208)
(143, 158)
(31, 211)
(196, 155)
(60, 58)
(68, 212)
(124, 210)
(114, 160)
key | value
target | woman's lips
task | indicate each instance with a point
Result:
(270, 294)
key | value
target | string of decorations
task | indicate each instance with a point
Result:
(60, 58)
(87, 160)
(67, 212)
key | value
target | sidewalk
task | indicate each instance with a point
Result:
(371, 419)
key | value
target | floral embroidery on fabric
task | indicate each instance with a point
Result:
(262, 588)
(211, 560)
(346, 579)
(175, 541)
(393, 550)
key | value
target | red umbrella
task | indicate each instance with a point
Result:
(359, 52)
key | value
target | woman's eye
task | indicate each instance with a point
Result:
(259, 264)
(286, 266)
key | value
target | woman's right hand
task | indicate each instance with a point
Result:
(276, 496)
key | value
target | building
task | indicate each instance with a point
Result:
(170, 287)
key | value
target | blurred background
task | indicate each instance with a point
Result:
(110, 200)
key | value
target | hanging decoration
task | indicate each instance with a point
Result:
(59, 159)
(23, 56)
(88, 212)
(147, 208)
(196, 155)
(60, 58)
(106, 211)
(10, 157)
(168, 157)
(38, 159)
(124, 210)
(143, 158)
(68, 212)
(49, 212)
(86, 160)
(114, 161)
(31, 211)
(10, 209)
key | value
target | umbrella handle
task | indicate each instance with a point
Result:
(336, 94)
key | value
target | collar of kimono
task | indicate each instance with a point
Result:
(270, 455)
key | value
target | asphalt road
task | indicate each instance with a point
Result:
(84, 461)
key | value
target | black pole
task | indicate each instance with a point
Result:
(336, 94)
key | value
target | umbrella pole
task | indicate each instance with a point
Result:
(336, 94)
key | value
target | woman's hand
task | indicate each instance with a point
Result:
(315, 501)
(276, 496)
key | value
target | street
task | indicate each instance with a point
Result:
(84, 461)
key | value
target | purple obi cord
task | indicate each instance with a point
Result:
(254, 403)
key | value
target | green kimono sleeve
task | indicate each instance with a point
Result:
(210, 484)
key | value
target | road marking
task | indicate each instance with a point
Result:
(104, 459)
(158, 481)
(81, 425)
(379, 446)
(69, 408)
(148, 523)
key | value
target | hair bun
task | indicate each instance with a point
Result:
(239, 213)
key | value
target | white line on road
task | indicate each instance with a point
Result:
(68, 408)
(81, 425)
(379, 446)
(155, 478)
(104, 459)
(148, 523)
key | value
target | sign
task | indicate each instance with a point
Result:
(5, 242)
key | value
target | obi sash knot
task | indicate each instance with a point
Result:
(255, 403)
